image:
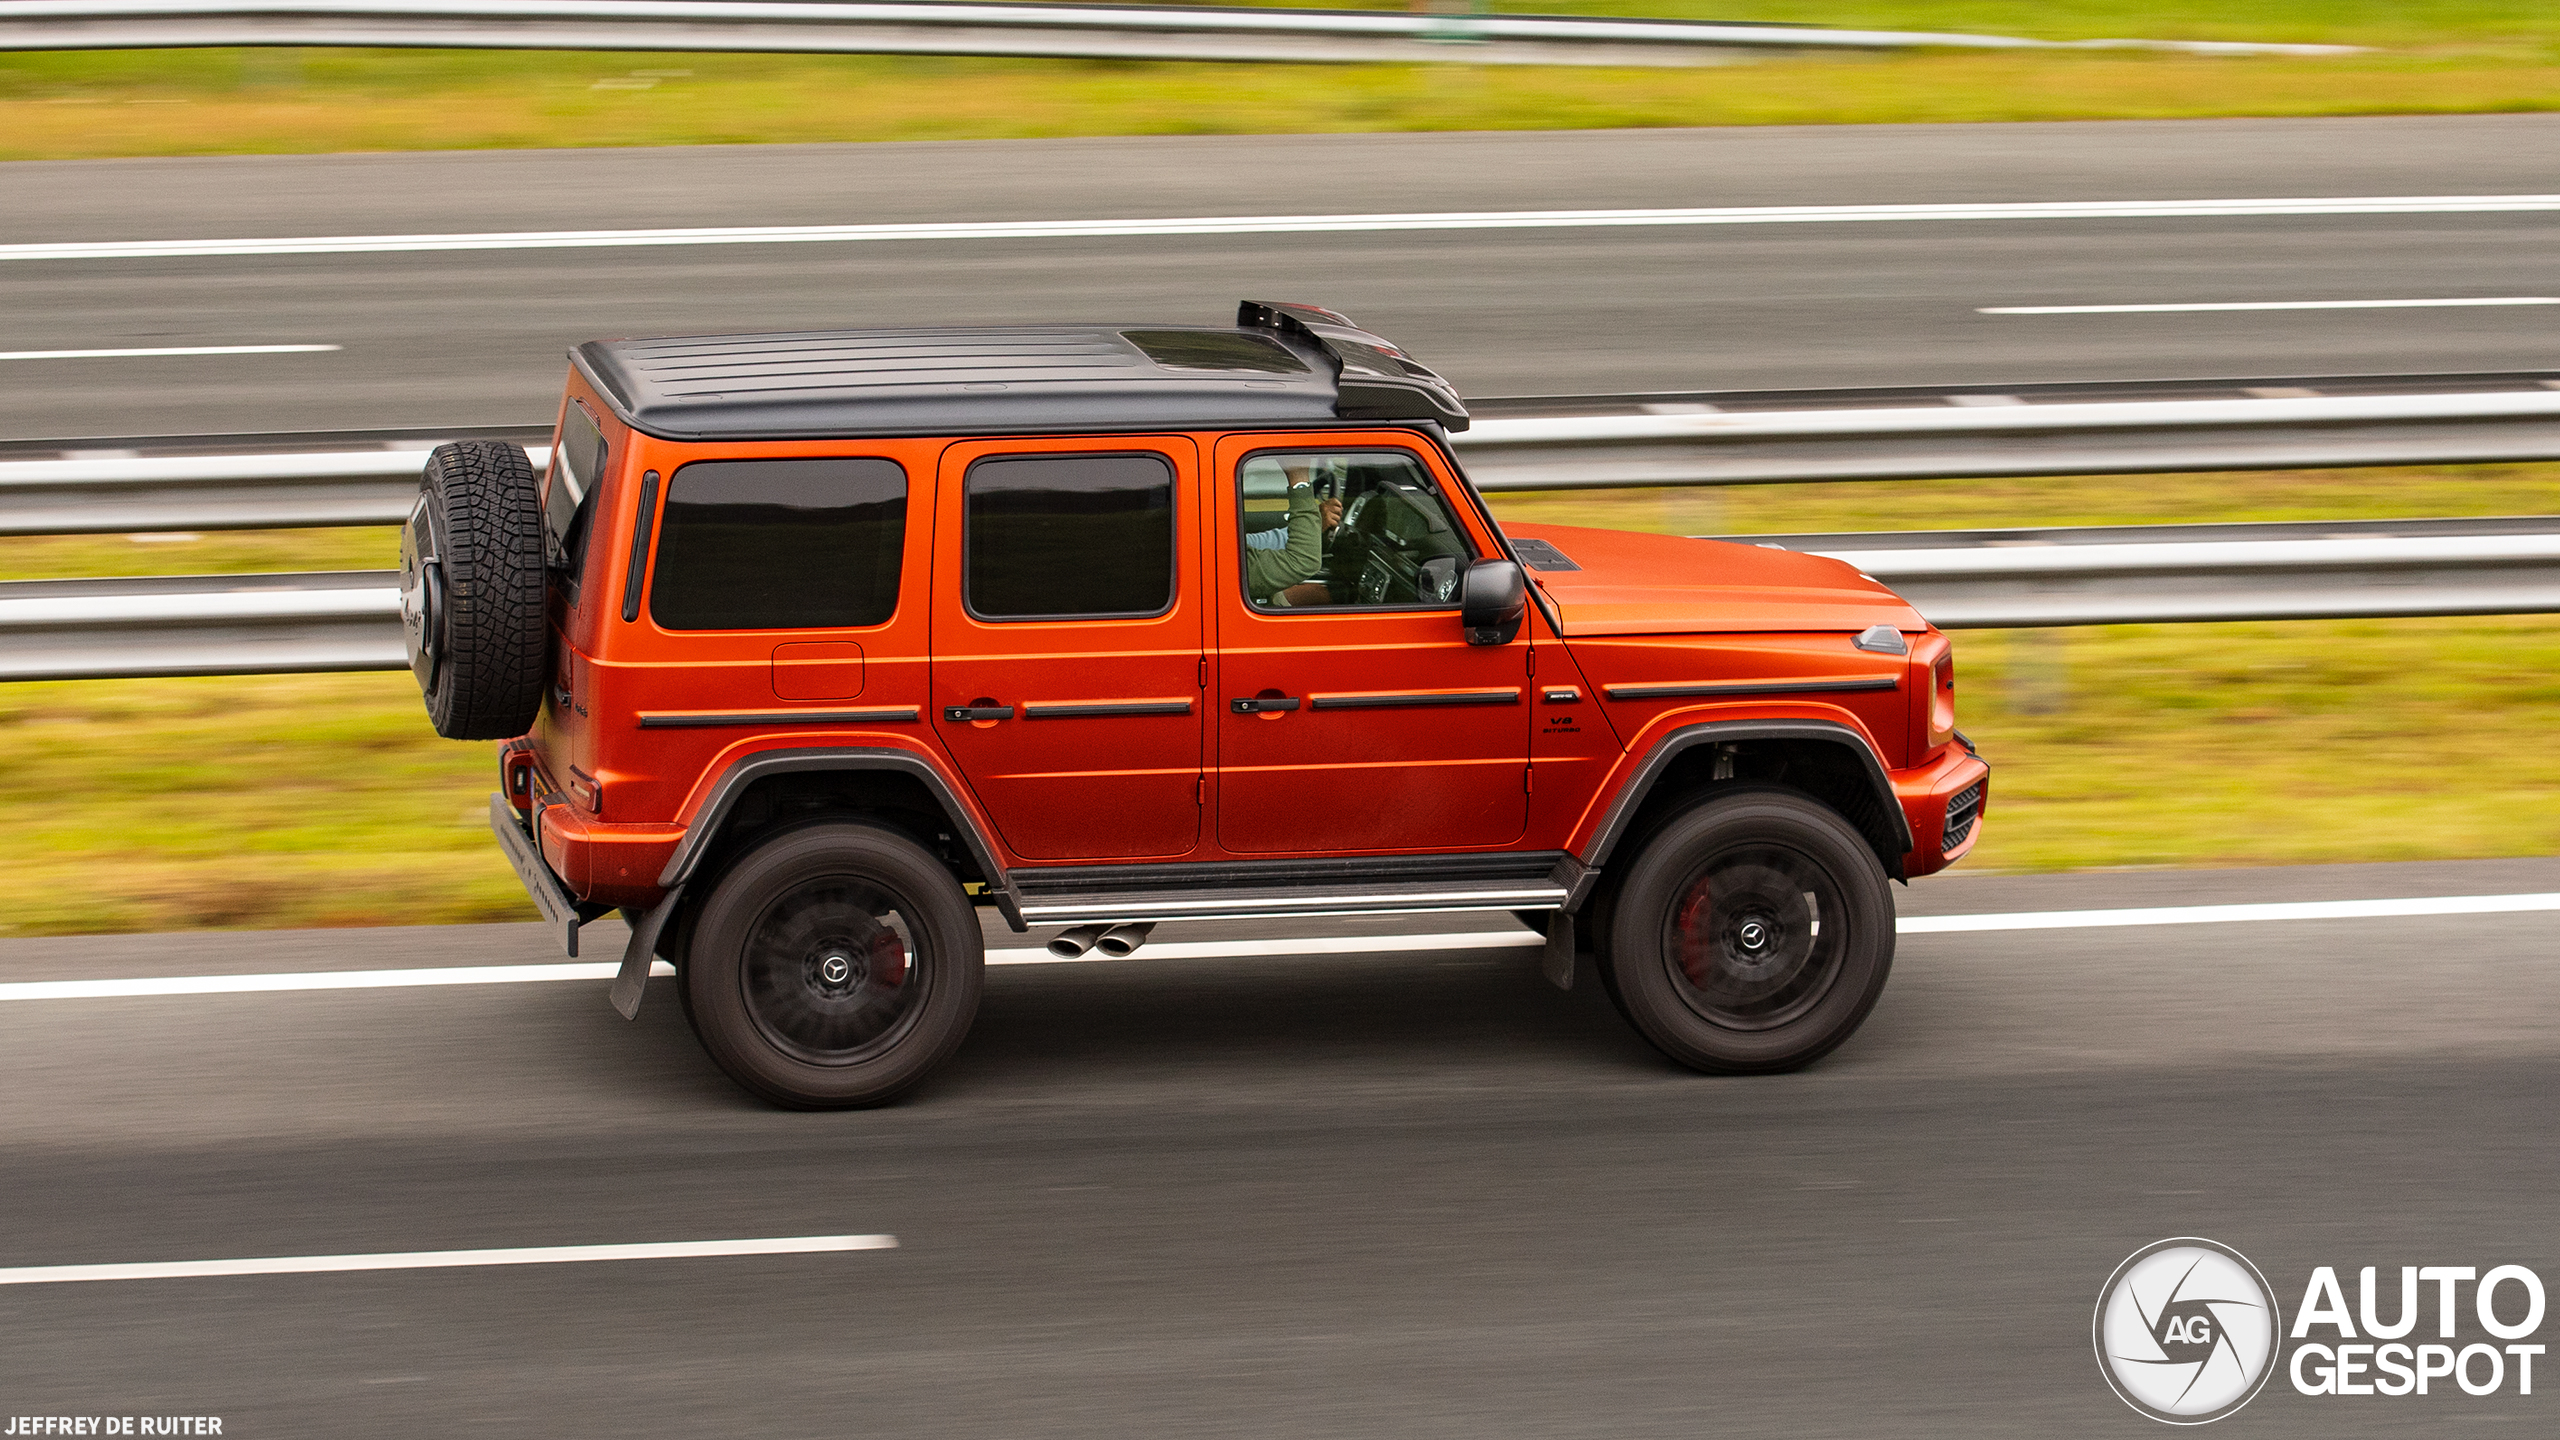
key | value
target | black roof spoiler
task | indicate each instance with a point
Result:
(1374, 379)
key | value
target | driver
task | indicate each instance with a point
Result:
(1280, 564)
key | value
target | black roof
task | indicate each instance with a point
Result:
(1278, 365)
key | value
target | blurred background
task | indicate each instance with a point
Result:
(1364, 1177)
(263, 801)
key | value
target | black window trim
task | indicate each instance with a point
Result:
(1173, 590)
(644, 541)
(1438, 488)
(658, 536)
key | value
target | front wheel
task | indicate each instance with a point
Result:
(834, 967)
(1752, 934)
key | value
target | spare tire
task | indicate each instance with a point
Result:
(472, 596)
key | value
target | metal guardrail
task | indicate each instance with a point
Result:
(2156, 574)
(1151, 32)
(1983, 579)
(278, 490)
(200, 625)
(1998, 434)
(1547, 443)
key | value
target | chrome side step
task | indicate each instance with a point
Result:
(1160, 905)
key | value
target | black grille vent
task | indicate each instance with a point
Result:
(1960, 816)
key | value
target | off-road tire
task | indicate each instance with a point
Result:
(472, 591)
(765, 1022)
(1675, 957)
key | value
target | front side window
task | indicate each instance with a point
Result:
(1054, 537)
(780, 545)
(1329, 529)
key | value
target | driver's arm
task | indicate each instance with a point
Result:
(1268, 572)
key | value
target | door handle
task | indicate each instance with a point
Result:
(961, 713)
(1257, 705)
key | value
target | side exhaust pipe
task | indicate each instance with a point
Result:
(1121, 941)
(1070, 944)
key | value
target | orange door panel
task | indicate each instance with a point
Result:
(1352, 713)
(1068, 641)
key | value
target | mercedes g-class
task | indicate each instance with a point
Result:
(803, 648)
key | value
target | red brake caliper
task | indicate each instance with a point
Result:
(888, 958)
(1697, 940)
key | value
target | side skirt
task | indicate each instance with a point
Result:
(1370, 885)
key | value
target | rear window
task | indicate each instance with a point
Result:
(568, 504)
(1070, 536)
(780, 545)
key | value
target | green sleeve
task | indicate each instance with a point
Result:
(1268, 572)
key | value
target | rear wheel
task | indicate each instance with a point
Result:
(833, 967)
(1751, 934)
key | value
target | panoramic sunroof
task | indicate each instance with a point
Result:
(1216, 350)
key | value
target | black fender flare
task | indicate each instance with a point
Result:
(1631, 796)
(748, 769)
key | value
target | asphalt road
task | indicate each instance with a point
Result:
(1379, 1195)
(431, 339)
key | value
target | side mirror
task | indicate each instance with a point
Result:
(1493, 597)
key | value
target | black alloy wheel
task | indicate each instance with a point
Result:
(1752, 933)
(834, 966)
(833, 972)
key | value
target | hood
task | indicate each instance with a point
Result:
(1637, 584)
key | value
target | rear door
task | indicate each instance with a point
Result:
(1352, 712)
(1068, 639)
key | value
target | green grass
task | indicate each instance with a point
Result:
(250, 802)
(2229, 498)
(2404, 24)
(2265, 744)
(2449, 56)
(216, 552)
(327, 800)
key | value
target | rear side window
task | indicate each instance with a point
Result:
(568, 502)
(1070, 536)
(780, 545)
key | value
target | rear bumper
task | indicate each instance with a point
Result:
(606, 865)
(559, 908)
(1957, 786)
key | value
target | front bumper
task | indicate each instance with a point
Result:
(1956, 786)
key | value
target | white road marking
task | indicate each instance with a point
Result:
(165, 350)
(1285, 225)
(2460, 303)
(2228, 914)
(1324, 945)
(443, 1259)
(317, 980)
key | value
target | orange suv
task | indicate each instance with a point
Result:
(808, 645)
